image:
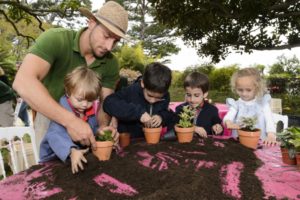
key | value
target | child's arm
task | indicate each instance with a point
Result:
(230, 125)
(77, 157)
(120, 106)
(231, 114)
(270, 124)
(217, 128)
(58, 142)
(201, 131)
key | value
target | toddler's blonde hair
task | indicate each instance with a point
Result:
(259, 82)
(85, 81)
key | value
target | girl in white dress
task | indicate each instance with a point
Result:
(254, 101)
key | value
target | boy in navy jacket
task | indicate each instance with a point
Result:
(144, 103)
(206, 120)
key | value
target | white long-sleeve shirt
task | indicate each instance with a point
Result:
(260, 108)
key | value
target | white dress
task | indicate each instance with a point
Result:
(256, 107)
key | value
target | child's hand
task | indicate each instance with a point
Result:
(115, 134)
(270, 140)
(77, 156)
(156, 121)
(231, 125)
(146, 119)
(114, 122)
(201, 131)
(217, 129)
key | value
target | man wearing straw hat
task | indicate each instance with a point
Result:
(56, 52)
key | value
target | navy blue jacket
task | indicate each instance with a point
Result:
(207, 118)
(129, 104)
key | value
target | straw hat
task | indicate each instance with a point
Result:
(112, 15)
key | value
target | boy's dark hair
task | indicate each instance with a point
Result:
(157, 77)
(197, 80)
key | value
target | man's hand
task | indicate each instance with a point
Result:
(201, 131)
(270, 140)
(77, 157)
(217, 129)
(231, 125)
(80, 131)
(156, 121)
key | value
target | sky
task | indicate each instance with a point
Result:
(188, 56)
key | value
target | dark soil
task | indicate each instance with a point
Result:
(181, 180)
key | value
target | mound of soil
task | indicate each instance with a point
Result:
(204, 169)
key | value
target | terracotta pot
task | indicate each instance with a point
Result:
(184, 135)
(152, 135)
(298, 159)
(286, 158)
(103, 150)
(124, 139)
(249, 139)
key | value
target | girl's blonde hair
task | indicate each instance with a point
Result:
(259, 82)
(85, 81)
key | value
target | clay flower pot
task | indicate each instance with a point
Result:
(152, 135)
(184, 135)
(286, 158)
(298, 159)
(103, 150)
(249, 138)
(124, 139)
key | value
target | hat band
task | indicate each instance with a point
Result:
(113, 24)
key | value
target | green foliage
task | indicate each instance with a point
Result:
(157, 39)
(285, 138)
(295, 141)
(133, 57)
(248, 123)
(220, 78)
(7, 64)
(216, 28)
(39, 12)
(105, 135)
(186, 117)
(177, 94)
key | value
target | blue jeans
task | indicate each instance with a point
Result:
(23, 114)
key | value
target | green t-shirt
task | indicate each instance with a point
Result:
(60, 48)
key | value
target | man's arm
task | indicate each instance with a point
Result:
(28, 84)
(103, 117)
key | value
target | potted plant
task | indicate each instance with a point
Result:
(185, 127)
(124, 139)
(287, 148)
(104, 145)
(248, 134)
(152, 134)
(296, 142)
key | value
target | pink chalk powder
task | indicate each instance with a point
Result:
(278, 179)
(230, 178)
(160, 160)
(114, 185)
(17, 186)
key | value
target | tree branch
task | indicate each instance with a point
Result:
(28, 38)
(282, 47)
